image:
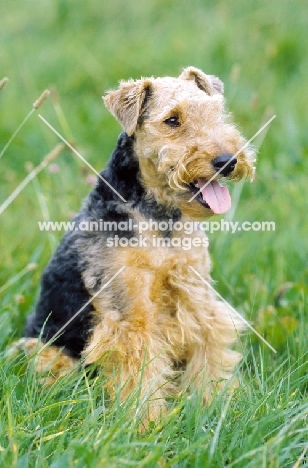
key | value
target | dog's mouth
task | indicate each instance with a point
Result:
(211, 195)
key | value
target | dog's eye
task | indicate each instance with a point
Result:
(173, 121)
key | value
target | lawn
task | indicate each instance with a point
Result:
(78, 50)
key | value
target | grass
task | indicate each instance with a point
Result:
(259, 51)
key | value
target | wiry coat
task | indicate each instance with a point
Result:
(156, 314)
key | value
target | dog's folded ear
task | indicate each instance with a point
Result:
(127, 102)
(210, 84)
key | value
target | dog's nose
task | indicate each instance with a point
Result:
(225, 161)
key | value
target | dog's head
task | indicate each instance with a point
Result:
(186, 145)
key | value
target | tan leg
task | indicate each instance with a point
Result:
(50, 360)
(134, 363)
(211, 364)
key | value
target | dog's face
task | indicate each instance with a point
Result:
(184, 140)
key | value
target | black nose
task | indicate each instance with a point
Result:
(225, 161)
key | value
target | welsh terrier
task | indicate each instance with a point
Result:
(125, 297)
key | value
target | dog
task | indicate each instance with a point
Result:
(125, 296)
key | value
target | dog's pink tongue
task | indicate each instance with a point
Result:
(217, 197)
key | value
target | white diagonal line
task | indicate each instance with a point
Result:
(301, 457)
(47, 159)
(80, 310)
(16, 132)
(20, 274)
(81, 157)
(233, 310)
(233, 157)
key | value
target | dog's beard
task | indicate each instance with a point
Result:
(192, 179)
